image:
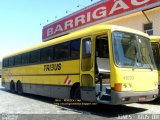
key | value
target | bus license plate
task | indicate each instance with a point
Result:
(142, 99)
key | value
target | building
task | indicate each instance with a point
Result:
(142, 15)
(147, 21)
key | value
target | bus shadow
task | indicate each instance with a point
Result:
(99, 109)
(106, 110)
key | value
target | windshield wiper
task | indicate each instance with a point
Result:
(135, 62)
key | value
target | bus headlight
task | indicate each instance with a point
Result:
(126, 87)
(123, 87)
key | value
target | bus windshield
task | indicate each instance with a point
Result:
(131, 50)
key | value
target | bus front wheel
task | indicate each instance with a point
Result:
(76, 91)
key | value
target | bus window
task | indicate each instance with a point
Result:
(46, 54)
(34, 56)
(25, 58)
(156, 53)
(86, 47)
(11, 61)
(18, 60)
(5, 63)
(86, 54)
(75, 49)
(62, 51)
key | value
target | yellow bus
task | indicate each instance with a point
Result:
(104, 64)
(155, 42)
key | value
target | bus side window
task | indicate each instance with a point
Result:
(18, 60)
(34, 56)
(156, 53)
(25, 58)
(62, 51)
(46, 54)
(86, 54)
(86, 47)
(5, 62)
(11, 61)
(75, 48)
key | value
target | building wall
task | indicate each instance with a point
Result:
(137, 20)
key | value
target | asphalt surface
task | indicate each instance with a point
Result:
(28, 107)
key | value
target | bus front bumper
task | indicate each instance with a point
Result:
(130, 97)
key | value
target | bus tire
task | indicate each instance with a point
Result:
(12, 87)
(76, 91)
(19, 88)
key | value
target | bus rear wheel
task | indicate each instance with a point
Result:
(19, 88)
(12, 87)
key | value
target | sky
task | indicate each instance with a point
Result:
(21, 21)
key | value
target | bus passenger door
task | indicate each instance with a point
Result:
(87, 69)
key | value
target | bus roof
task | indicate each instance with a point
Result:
(77, 34)
(154, 38)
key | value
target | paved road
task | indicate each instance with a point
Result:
(32, 106)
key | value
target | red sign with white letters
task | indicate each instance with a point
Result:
(93, 14)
